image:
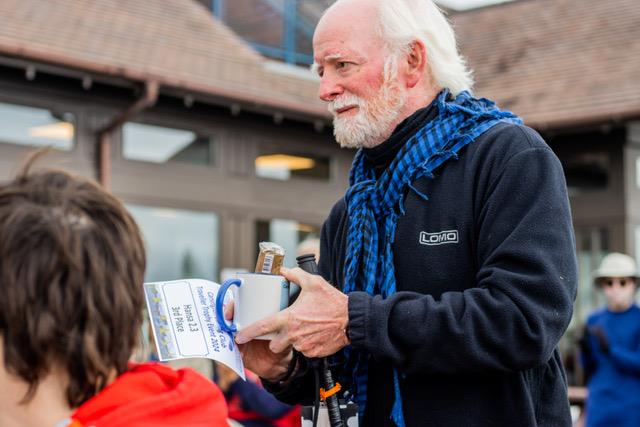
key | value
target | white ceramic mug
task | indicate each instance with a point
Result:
(256, 296)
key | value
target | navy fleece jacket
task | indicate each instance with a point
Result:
(486, 278)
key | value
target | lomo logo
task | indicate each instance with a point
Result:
(439, 238)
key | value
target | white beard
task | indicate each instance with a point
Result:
(374, 121)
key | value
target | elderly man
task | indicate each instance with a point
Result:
(451, 255)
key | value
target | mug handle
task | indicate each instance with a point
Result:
(226, 327)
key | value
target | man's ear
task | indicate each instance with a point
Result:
(416, 63)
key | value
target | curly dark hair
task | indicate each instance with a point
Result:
(72, 265)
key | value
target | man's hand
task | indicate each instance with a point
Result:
(225, 376)
(315, 324)
(258, 358)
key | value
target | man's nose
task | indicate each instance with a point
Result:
(329, 88)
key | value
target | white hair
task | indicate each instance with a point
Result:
(402, 22)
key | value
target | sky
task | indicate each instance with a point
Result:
(467, 4)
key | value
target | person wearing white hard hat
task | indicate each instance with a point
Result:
(611, 347)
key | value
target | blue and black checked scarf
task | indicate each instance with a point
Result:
(374, 206)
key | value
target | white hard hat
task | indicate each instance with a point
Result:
(616, 265)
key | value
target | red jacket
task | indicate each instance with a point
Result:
(154, 395)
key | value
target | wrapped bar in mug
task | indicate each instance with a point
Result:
(270, 258)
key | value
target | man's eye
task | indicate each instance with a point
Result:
(342, 64)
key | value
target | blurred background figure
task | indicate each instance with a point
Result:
(251, 405)
(611, 347)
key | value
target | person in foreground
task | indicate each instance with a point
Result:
(71, 303)
(451, 254)
(611, 347)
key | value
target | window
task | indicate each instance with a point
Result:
(180, 243)
(586, 171)
(592, 244)
(157, 144)
(36, 127)
(281, 165)
(286, 233)
(276, 28)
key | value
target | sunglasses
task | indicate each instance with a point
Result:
(609, 281)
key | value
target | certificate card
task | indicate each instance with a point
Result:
(184, 322)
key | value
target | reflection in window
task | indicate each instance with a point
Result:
(592, 244)
(284, 166)
(180, 243)
(36, 127)
(159, 144)
(286, 233)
